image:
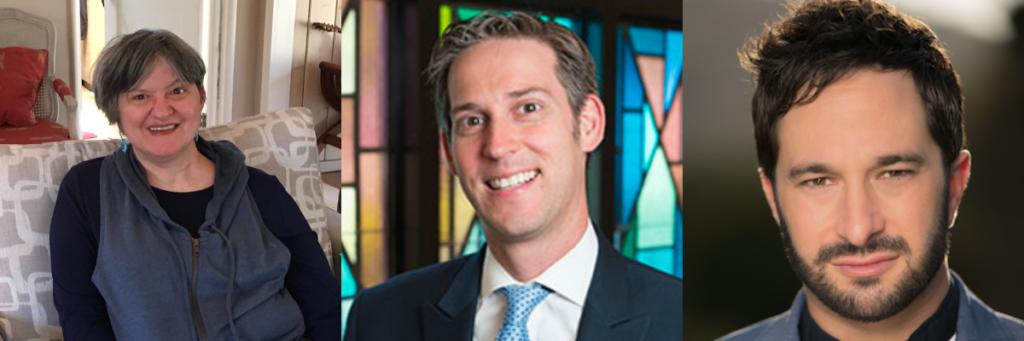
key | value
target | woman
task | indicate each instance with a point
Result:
(173, 237)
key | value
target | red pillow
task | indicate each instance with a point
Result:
(21, 75)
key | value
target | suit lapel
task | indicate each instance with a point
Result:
(608, 314)
(452, 317)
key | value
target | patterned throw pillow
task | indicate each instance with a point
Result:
(283, 144)
(21, 75)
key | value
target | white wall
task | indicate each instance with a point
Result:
(183, 17)
(248, 59)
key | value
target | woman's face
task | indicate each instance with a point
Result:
(161, 115)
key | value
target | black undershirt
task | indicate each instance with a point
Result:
(941, 326)
(187, 209)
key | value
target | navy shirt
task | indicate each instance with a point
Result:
(75, 231)
(941, 326)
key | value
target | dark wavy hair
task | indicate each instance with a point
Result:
(820, 41)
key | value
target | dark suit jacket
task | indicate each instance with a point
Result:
(627, 301)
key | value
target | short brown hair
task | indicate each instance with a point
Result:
(576, 69)
(820, 41)
(129, 58)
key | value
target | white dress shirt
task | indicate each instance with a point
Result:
(557, 318)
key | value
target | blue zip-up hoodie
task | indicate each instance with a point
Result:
(161, 284)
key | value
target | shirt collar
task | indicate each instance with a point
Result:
(569, 277)
(940, 326)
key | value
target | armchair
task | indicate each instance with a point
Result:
(20, 29)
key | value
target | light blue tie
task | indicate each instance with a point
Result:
(521, 302)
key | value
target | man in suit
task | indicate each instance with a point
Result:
(518, 109)
(859, 129)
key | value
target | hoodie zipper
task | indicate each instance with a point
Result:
(196, 317)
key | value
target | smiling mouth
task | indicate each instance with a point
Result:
(163, 128)
(865, 267)
(513, 181)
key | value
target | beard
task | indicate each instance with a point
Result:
(871, 301)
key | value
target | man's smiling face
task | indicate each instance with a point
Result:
(862, 194)
(513, 137)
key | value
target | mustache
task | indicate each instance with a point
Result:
(882, 243)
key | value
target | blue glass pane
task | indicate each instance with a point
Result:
(650, 137)
(348, 282)
(475, 241)
(346, 304)
(594, 39)
(630, 164)
(673, 64)
(660, 259)
(679, 243)
(647, 40)
(632, 89)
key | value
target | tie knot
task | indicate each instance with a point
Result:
(522, 299)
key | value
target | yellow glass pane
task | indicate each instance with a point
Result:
(443, 254)
(444, 198)
(444, 18)
(463, 216)
(373, 258)
(348, 222)
(373, 266)
(371, 191)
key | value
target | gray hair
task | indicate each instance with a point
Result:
(129, 58)
(575, 67)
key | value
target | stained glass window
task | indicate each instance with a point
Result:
(649, 169)
(460, 231)
(363, 148)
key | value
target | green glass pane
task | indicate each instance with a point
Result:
(349, 234)
(650, 137)
(345, 306)
(679, 243)
(348, 54)
(467, 13)
(445, 18)
(475, 240)
(656, 206)
(348, 281)
(629, 241)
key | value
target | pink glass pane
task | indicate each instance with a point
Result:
(652, 74)
(348, 147)
(672, 132)
(372, 75)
